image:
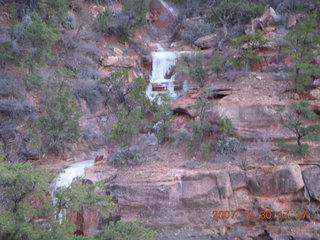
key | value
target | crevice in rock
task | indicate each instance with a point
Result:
(181, 112)
(220, 93)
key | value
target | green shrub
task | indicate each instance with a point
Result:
(206, 150)
(302, 41)
(225, 127)
(33, 80)
(227, 146)
(112, 25)
(39, 38)
(248, 45)
(231, 12)
(126, 158)
(127, 125)
(6, 55)
(69, 21)
(182, 136)
(121, 24)
(192, 66)
(162, 112)
(300, 121)
(58, 124)
(126, 231)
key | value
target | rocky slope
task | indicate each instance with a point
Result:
(176, 191)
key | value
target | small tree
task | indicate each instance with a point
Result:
(128, 125)
(192, 66)
(33, 80)
(303, 40)
(218, 63)
(38, 39)
(247, 48)
(200, 126)
(162, 115)
(6, 55)
(300, 122)
(231, 12)
(225, 127)
(58, 124)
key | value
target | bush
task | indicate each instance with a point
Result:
(206, 150)
(225, 127)
(69, 21)
(127, 125)
(33, 80)
(121, 24)
(248, 45)
(126, 158)
(195, 31)
(192, 66)
(162, 115)
(300, 121)
(39, 38)
(232, 12)
(14, 109)
(90, 91)
(7, 56)
(58, 125)
(126, 231)
(227, 145)
(112, 25)
(83, 66)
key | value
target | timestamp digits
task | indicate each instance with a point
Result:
(257, 215)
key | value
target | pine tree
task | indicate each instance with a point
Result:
(38, 39)
(58, 124)
(303, 40)
(300, 121)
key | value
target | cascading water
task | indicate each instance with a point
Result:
(170, 9)
(162, 64)
(65, 179)
(71, 172)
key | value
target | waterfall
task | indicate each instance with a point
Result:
(71, 172)
(65, 178)
(170, 9)
(162, 64)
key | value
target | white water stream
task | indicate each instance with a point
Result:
(65, 178)
(71, 172)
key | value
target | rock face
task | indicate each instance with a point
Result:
(121, 61)
(162, 17)
(274, 182)
(253, 116)
(179, 203)
(87, 219)
(311, 176)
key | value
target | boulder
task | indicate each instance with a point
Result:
(315, 106)
(273, 182)
(206, 42)
(238, 180)
(315, 94)
(252, 114)
(316, 82)
(121, 61)
(311, 176)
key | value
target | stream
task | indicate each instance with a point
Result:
(162, 80)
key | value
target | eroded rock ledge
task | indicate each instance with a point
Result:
(179, 202)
